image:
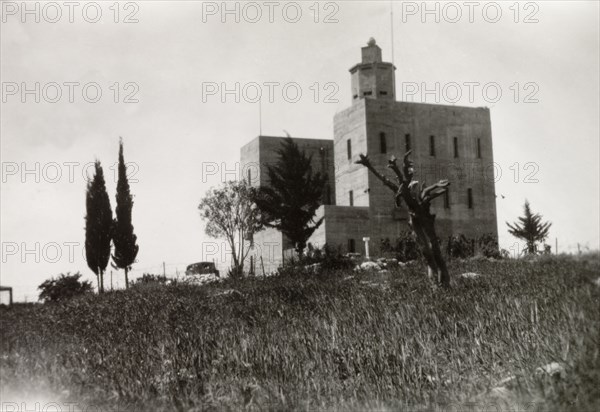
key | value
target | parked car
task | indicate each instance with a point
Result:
(202, 268)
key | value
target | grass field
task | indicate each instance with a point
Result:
(338, 341)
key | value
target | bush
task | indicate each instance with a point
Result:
(64, 287)
(487, 245)
(404, 249)
(461, 247)
(328, 259)
(148, 278)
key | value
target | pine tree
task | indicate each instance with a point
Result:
(98, 226)
(530, 228)
(293, 195)
(126, 249)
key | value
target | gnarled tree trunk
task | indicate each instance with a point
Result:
(418, 200)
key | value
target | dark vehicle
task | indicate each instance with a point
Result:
(202, 268)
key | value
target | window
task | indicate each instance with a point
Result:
(351, 246)
(479, 148)
(249, 177)
(383, 93)
(447, 199)
(456, 147)
(355, 96)
(349, 147)
(382, 143)
(470, 197)
(367, 93)
(407, 144)
(351, 197)
(432, 146)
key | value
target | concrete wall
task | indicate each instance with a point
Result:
(262, 151)
(368, 119)
(349, 125)
(268, 243)
(341, 223)
(466, 171)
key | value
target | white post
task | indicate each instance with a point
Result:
(366, 240)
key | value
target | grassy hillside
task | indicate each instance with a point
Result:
(337, 341)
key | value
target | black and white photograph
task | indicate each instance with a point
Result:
(310, 205)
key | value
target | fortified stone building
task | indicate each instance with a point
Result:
(447, 142)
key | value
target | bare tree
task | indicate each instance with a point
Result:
(418, 199)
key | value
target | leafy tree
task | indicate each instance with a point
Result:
(124, 239)
(293, 195)
(64, 287)
(98, 226)
(231, 213)
(530, 228)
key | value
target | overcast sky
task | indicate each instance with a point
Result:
(163, 66)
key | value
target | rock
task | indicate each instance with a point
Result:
(368, 266)
(394, 262)
(201, 279)
(470, 275)
(597, 282)
(553, 369)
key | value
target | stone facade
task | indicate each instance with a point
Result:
(447, 142)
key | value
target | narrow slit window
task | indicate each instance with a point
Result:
(349, 147)
(447, 199)
(470, 198)
(479, 148)
(249, 177)
(432, 146)
(407, 143)
(351, 246)
(382, 143)
(351, 198)
(455, 146)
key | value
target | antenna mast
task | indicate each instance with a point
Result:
(260, 116)
(392, 34)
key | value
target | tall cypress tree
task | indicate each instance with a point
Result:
(98, 225)
(126, 249)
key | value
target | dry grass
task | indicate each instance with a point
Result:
(373, 341)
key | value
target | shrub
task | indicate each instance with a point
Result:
(487, 245)
(65, 286)
(150, 278)
(462, 247)
(405, 247)
(459, 247)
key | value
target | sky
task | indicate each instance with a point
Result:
(179, 82)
